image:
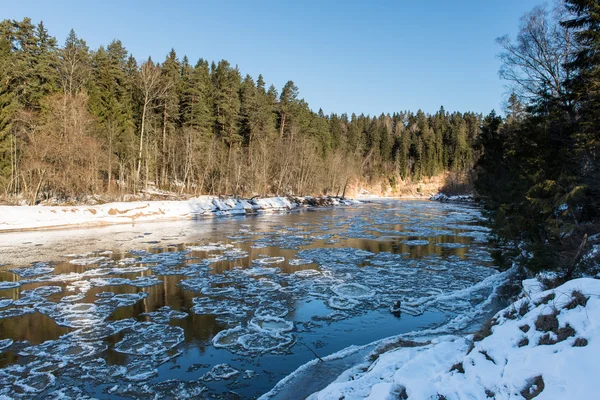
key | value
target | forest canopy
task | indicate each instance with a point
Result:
(76, 121)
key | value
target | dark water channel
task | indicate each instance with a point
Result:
(231, 305)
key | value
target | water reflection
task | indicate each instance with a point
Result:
(249, 282)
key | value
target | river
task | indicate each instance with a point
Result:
(228, 307)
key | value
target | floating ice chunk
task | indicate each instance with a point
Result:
(265, 285)
(299, 261)
(230, 309)
(64, 350)
(9, 285)
(35, 383)
(88, 261)
(452, 245)
(258, 271)
(353, 291)
(415, 242)
(100, 282)
(149, 338)
(211, 247)
(436, 267)
(266, 343)
(42, 291)
(228, 338)
(271, 325)
(269, 260)
(35, 270)
(164, 314)
(145, 281)
(4, 302)
(272, 309)
(218, 291)
(220, 372)
(307, 273)
(249, 374)
(342, 303)
(82, 286)
(235, 254)
(15, 312)
(102, 330)
(121, 300)
(5, 343)
(73, 298)
(140, 369)
(195, 284)
(215, 258)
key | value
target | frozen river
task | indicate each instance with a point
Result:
(209, 308)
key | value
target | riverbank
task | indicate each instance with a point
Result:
(25, 218)
(544, 345)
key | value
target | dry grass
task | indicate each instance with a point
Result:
(458, 367)
(534, 387)
(578, 299)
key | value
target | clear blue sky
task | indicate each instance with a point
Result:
(345, 56)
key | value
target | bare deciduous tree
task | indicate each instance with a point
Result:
(535, 63)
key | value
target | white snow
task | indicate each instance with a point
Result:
(442, 198)
(502, 365)
(14, 218)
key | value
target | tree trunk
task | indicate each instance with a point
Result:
(139, 168)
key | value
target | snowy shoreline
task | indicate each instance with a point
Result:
(543, 345)
(26, 218)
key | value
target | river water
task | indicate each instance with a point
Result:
(224, 307)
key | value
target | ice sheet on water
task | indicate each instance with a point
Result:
(34, 383)
(210, 247)
(220, 372)
(307, 273)
(102, 330)
(5, 343)
(149, 338)
(113, 301)
(35, 270)
(298, 261)
(353, 291)
(270, 324)
(64, 350)
(269, 260)
(101, 282)
(145, 281)
(333, 255)
(89, 261)
(164, 315)
(452, 245)
(195, 284)
(342, 303)
(261, 271)
(229, 310)
(262, 343)
(9, 285)
(268, 308)
(5, 302)
(15, 312)
(42, 291)
(416, 242)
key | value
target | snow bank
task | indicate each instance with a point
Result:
(545, 345)
(442, 198)
(14, 218)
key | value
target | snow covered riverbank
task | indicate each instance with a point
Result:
(16, 218)
(463, 198)
(544, 346)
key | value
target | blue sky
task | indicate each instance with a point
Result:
(350, 56)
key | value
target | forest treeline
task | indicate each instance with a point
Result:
(75, 121)
(539, 174)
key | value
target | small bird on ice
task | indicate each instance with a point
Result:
(395, 309)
